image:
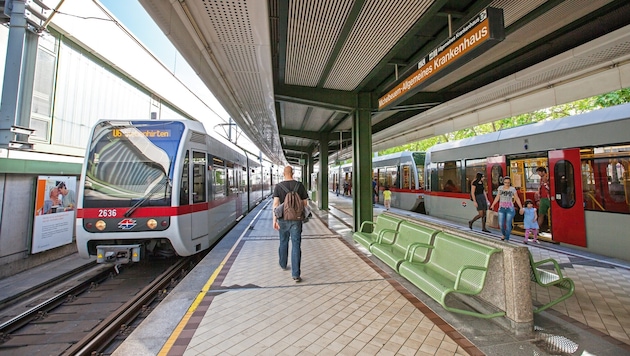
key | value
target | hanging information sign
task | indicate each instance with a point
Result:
(482, 32)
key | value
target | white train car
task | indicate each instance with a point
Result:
(586, 157)
(160, 188)
(401, 172)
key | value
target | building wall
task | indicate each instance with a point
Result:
(74, 86)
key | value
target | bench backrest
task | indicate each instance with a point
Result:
(452, 252)
(384, 221)
(410, 233)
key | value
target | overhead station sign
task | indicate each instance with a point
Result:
(482, 32)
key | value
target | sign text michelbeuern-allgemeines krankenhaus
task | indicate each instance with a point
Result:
(482, 32)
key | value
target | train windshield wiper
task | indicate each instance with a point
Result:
(166, 181)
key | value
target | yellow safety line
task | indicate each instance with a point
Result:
(180, 327)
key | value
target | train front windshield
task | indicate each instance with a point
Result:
(131, 164)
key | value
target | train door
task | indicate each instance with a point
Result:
(199, 195)
(184, 220)
(243, 189)
(232, 188)
(567, 207)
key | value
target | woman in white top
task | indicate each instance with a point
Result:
(505, 196)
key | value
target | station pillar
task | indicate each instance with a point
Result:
(17, 87)
(322, 182)
(362, 208)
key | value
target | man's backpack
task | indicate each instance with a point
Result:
(293, 206)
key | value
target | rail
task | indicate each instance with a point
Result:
(106, 331)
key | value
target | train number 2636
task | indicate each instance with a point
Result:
(106, 213)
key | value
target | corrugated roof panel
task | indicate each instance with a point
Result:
(378, 28)
(515, 10)
(312, 31)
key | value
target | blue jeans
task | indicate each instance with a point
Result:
(506, 216)
(291, 229)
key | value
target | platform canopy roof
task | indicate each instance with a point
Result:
(290, 72)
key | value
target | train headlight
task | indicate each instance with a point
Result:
(152, 224)
(100, 225)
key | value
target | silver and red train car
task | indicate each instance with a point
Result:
(586, 157)
(401, 172)
(162, 188)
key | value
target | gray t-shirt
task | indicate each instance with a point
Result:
(506, 197)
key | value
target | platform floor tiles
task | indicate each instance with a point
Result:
(342, 306)
(602, 293)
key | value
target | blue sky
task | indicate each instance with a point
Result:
(132, 15)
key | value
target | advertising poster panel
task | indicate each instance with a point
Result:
(55, 206)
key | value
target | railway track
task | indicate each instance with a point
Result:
(86, 318)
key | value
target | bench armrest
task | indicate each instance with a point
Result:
(382, 233)
(411, 249)
(556, 266)
(463, 269)
(363, 224)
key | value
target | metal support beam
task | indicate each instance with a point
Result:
(362, 208)
(322, 183)
(337, 100)
(10, 109)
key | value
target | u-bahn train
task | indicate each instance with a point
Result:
(401, 172)
(162, 188)
(586, 156)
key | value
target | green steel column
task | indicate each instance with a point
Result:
(362, 161)
(322, 182)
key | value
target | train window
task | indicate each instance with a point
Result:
(605, 179)
(218, 180)
(418, 158)
(474, 166)
(532, 178)
(185, 184)
(382, 177)
(199, 177)
(407, 179)
(432, 180)
(392, 177)
(564, 184)
(449, 176)
(231, 179)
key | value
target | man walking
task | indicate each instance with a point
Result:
(289, 228)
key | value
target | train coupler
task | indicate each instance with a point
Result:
(117, 254)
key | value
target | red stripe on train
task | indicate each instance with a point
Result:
(144, 212)
(449, 195)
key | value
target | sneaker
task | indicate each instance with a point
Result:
(297, 279)
(525, 242)
(470, 224)
(536, 241)
(485, 230)
(284, 268)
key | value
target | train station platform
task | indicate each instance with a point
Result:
(238, 301)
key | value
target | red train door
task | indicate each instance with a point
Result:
(567, 202)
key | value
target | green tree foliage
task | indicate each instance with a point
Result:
(555, 112)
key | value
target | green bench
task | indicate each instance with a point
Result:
(456, 265)
(384, 224)
(411, 242)
(549, 279)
